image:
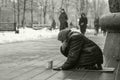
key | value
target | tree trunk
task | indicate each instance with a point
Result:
(14, 14)
(31, 13)
(67, 6)
(82, 5)
(23, 21)
(44, 16)
(41, 11)
(0, 17)
(62, 4)
(53, 7)
(18, 19)
(45, 11)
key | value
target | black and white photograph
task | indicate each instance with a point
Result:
(59, 39)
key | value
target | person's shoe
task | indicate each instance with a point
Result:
(93, 67)
(99, 66)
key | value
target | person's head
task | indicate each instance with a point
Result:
(63, 34)
(83, 15)
(62, 10)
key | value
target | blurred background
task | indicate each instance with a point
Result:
(27, 13)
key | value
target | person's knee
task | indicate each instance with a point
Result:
(99, 66)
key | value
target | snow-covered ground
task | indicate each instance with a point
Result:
(30, 34)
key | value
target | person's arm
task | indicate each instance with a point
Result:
(66, 17)
(86, 20)
(64, 48)
(74, 52)
(61, 17)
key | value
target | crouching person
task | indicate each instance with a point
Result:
(79, 51)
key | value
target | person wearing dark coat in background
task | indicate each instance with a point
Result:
(63, 20)
(53, 25)
(83, 23)
(96, 25)
(79, 51)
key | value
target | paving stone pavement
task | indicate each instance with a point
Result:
(20, 57)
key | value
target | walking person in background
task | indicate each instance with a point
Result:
(63, 20)
(103, 31)
(83, 23)
(71, 25)
(53, 25)
(96, 25)
(80, 51)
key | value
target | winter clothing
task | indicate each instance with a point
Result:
(53, 25)
(63, 20)
(96, 25)
(80, 51)
(83, 24)
(62, 36)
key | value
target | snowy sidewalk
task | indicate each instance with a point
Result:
(26, 34)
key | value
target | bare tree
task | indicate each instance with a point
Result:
(53, 9)
(18, 15)
(23, 20)
(40, 10)
(65, 5)
(77, 6)
(62, 3)
(45, 11)
(14, 7)
(82, 5)
(31, 13)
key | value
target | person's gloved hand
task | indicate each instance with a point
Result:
(58, 68)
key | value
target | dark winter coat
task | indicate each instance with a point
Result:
(63, 20)
(96, 22)
(80, 51)
(83, 20)
(53, 25)
(83, 24)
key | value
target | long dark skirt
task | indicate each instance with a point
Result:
(63, 25)
(83, 29)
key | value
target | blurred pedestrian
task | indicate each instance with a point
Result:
(71, 25)
(96, 25)
(80, 51)
(83, 23)
(63, 20)
(103, 31)
(53, 25)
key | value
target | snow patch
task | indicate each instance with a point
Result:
(31, 34)
(27, 34)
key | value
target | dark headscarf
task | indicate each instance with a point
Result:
(83, 14)
(63, 34)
